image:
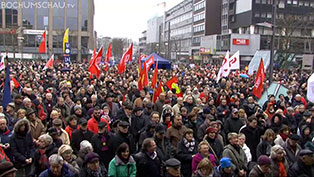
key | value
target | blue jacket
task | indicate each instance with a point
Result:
(65, 172)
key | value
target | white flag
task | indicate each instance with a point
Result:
(234, 61)
(310, 89)
(224, 69)
(2, 65)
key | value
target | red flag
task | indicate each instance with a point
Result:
(143, 79)
(158, 91)
(94, 66)
(174, 79)
(149, 62)
(43, 47)
(92, 58)
(260, 76)
(154, 80)
(16, 83)
(140, 62)
(49, 63)
(107, 57)
(127, 56)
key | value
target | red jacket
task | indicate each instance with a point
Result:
(92, 125)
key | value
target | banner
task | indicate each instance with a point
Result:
(67, 53)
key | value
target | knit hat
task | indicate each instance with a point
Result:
(6, 168)
(64, 148)
(225, 162)
(91, 157)
(85, 144)
(264, 160)
(211, 130)
(77, 107)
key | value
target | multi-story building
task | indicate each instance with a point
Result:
(206, 21)
(153, 36)
(294, 23)
(177, 37)
(142, 42)
(23, 22)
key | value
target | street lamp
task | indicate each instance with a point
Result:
(272, 26)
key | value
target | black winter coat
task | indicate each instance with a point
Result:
(164, 149)
(103, 148)
(185, 157)
(22, 145)
(146, 166)
(78, 136)
(251, 134)
(300, 169)
(233, 124)
(120, 138)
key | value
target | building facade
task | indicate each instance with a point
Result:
(178, 31)
(24, 21)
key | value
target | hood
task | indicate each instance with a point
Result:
(302, 128)
(120, 162)
(19, 124)
(280, 119)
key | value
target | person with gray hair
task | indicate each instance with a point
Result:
(44, 150)
(279, 165)
(57, 168)
(85, 148)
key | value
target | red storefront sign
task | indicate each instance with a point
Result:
(241, 41)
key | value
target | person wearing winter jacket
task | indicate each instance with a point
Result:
(233, 124)
(283, 135)
(92, 166)
(262, 168)
(187, 147)
(292, 148)
(42, 153)
(203, 152)
(66, 152)
(279, 166)
(245, 148)
(22, 147)
(267, 141)
(304, 165)
(164, 147)
(123, 164)
(57, 168)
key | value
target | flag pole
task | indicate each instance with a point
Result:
(46, 44)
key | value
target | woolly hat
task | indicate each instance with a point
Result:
(64, 148)
(264, 160)
(225, 162)
(85, 144)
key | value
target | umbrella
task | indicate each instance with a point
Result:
(244, 75)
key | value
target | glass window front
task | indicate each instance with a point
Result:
(72, 15)
(84, 15)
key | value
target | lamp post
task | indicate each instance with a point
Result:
(271, 63)
(272, 26)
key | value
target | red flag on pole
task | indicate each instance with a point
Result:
(43, 47)
(260, 76)
(94, 67)
(158, 91)
(92, 58)
(49, 63)
(143, 79)
(107, 57)
(127, 56)
(154, 80)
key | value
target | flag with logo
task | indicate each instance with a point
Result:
(94, 67)
(224, 68)
(127, 56)
(2, 64)
(107, 57)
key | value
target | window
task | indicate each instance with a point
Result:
(301, 3)
(295, 2)
(199, 6)
(257, 1)
(306, 3)
(199, 17)
(312, 4)
(257, 14)
(269, 2)
(269, 15)
(198, 28)
(263, 1)
(289, 1)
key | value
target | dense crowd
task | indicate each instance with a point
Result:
(62, 122)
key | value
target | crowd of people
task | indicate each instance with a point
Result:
(62, 122)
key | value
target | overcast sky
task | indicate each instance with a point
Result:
(127, 18)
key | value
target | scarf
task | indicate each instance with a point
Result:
(95, 173)
(43, 161)
(189, 145)
(104, 143)
(283, 136)
(282, 170)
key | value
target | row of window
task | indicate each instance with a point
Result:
(181, 18)
(180, 31)
(199, 6)
(199, 28)
(198, 17)
(282, 2)
(263, 15)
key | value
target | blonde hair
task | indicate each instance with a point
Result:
(205, 164)
(201, 144)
